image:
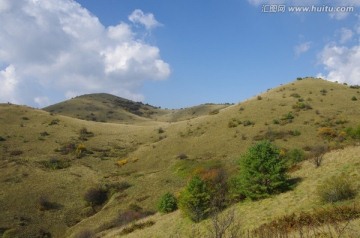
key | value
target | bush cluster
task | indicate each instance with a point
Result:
(96, 196)
(137, 226)
(168, 203)
(336, 189)
(310, 223)
(84, 134)
(55, 163)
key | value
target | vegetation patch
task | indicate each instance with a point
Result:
(301, 106)
(54, 122)
(336, 189)
(16, 152)
(45, 204)
(96, 196)
(130, 215)
(137, 226)
(262, 172)
(168, 203)
(311, 224)
(353, 133)
(272, 135)
(55, 163)
(84, 134)
(67, 148)
(122, 162)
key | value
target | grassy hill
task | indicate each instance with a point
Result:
(102, 107)
(51, 159)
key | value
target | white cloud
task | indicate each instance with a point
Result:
(148, 20)
(42, 101)
(345, 35)
(56, 48)
(302, 48)
(340, 59)
(9, 83)
(342, 63)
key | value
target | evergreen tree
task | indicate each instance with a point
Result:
(195, 200)
(168, 203)
(262, 171)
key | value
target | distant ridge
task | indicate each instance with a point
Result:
(103, 107)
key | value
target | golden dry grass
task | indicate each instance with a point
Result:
(153, 167)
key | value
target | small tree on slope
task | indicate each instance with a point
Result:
(262, 171)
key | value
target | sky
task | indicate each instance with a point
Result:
(172, 54)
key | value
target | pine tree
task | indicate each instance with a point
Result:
(168, 203)
(262, 171)
(195, 200)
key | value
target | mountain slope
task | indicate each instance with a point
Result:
(104, 107)
(40, 155)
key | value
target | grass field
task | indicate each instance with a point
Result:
(50, 158)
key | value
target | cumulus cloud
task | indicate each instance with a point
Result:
(342, 63)
(345, 35)
(302, 48)
(53, 49)
(148, 20)
(341, 60)
(9, 83)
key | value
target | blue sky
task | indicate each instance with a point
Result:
(171, 54)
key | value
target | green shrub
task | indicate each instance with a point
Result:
(54, 163)
(136, 226)
(294, 132)
(233, 123)
(276, 121)
(2, 138)
(336, 189)
(85, 134)
(214, 112)
(262, 171)
(354, 133)
(195, 200)
(45, 133)
(354, 98)
(96, 196)
(295, 95)
(289, 116)
(248, 123)
(301, 106)
(168, 203)
(45, 204)
(295, 156)
(182, 156)
(54, 122)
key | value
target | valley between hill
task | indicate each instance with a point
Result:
(50, 158)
